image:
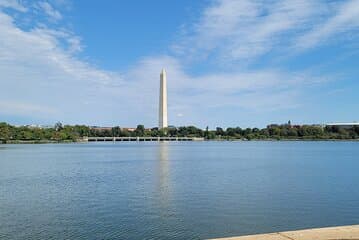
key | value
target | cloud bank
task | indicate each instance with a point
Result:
(43, 78)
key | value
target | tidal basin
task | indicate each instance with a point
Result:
(175, 190)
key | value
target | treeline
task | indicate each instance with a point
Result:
(141, 131)
(9, 133)
(274, 131)
(287, 131)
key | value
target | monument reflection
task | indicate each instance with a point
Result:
(164, 184)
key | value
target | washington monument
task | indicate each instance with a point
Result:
(162, 121)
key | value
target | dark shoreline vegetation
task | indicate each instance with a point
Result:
(76, 133)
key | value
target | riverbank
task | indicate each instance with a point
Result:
(329, 233)
(196, 139)
(273, 132)
(35, 142)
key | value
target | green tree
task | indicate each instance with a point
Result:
(58, 126)
(206, 133)
(140, 130)
(116, 131)
(5, 133)
(172, 131)
(219, 131)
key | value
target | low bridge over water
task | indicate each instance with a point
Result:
(139, 139)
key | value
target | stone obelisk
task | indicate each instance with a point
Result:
(162, 121)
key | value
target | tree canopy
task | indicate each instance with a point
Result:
(59, 132)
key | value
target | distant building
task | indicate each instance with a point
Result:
(34, 126)
(128, 129)
(343, 125)
(101, 128)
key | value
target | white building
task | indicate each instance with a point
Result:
(343, 125)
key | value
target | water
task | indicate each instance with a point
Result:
(177, 190)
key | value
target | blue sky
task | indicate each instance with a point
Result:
(241, 63)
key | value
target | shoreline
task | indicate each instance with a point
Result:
(205, 140)
(327, 233)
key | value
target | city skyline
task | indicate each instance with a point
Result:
(231, 63)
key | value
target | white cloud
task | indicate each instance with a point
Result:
(345, 19)
(21, 108)
(243, 30)
(12, 4)
(50, 11)
(231, 31)
(40, 69)
(192, 96)
(37, 69)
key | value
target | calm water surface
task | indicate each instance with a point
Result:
(182, 190)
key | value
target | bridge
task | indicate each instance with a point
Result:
(139, 139)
